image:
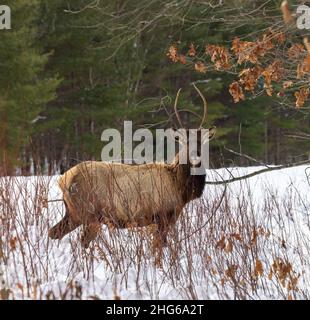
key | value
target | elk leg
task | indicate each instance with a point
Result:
(63, 227)
(161, 234)
(159, 241)
(90, 233)
(164, 224)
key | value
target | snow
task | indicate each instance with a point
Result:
(276, 204)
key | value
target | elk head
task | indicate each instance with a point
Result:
(194, 142)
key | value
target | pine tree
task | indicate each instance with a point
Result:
(24, 90)
(92, 95)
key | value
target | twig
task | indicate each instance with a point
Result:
(55, 200)
(245, 156)
(255, 173)
(294, 136)
(214, 211)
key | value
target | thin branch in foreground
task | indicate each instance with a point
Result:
(245, 156)
(300, 137)
(255, 173)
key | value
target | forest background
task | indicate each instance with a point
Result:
(71, 69)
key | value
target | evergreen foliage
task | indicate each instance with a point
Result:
(70, 69)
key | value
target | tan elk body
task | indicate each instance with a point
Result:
(124, 195)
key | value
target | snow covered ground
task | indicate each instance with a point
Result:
(249, 241)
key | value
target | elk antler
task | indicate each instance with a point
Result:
(176, 108)
(205, 106)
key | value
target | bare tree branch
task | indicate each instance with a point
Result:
(245, 156)
(255, 173)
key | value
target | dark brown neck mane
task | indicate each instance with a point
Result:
(191, 186)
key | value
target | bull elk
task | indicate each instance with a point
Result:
(123, 195)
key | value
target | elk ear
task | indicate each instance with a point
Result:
(209, 135)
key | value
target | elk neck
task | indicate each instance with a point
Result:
(191, 186)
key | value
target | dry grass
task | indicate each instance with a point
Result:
(246, 241)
